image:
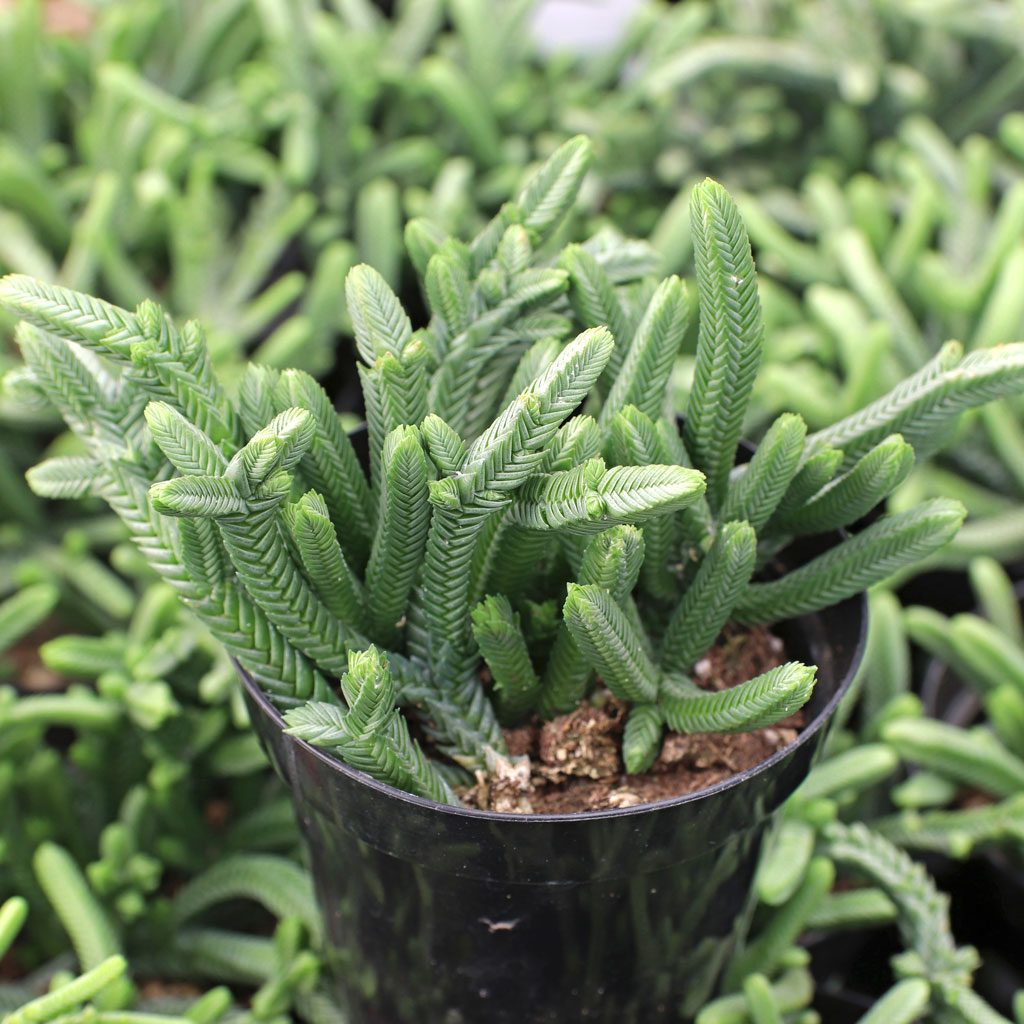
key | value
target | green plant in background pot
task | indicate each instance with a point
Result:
(497, 531)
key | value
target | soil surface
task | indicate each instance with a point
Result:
(574, 762)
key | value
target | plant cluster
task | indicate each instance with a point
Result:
(298, 563)
(236, 197)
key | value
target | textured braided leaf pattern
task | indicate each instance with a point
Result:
(534, 361)
(757, 703)
(514, 253)
(576, 442)
(819, 467)
(633, 493)
(608, 641)
(443, 594)
(126, 490)
(256, 392)
(232, 618)
(558, 500)
(324, 562)
(612, 561)
(641, 740)
(209, 496)
(66, 476)
(78, 386)
(446, 448)
(633, 440)
(595, 303)
(855, 564)
(331, 464)
(265, 567)
(711, 597)
(509, 450)
(730, 337)
(68, 314)
(278, 446)
(757, 493)
(379, 322)
(485, 245)
(874, 477)
(372, 736)
(924, 405)
(490, 552)
(179, 367)
(202, 554)
(402, 522)
(487, 397)
(500, 638)
(395, 394)
(423, 238)
(187, 448)
(550, 194)
(453, 386)
(449, 289)
(643, 378)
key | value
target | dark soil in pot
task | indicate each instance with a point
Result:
(448, 914)
(575, 761)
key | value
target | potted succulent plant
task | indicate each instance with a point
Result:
(518, 597)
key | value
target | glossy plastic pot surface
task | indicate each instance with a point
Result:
(458, 916)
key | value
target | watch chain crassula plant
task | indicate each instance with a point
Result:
(529, 506)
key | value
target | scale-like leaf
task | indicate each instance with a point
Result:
(331, 464)
(187, 448)
(551, 192)
(710, 598)
(730, 338)
(596, 303)
(449, 289)
(641, 740)
(66, 476)
(402, 522)
(395, 395)
(633, 493)
(325, 564)
(923, 406)
(505, 454)
(372, 735)
(423, 238)
(500, 639)
(379, 322)
(277, 447)
(575, 442)
(820, 462)
(854, 565)
(611, 645)
(446, 448)
(642, 379)
(759, 702)
(69, 314)
(208, 496)
(755, 496)
(874, 477)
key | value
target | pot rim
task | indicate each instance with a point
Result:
(384, 789)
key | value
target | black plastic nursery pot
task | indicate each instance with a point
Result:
(453, 915)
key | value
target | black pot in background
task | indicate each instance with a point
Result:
(458, 916)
